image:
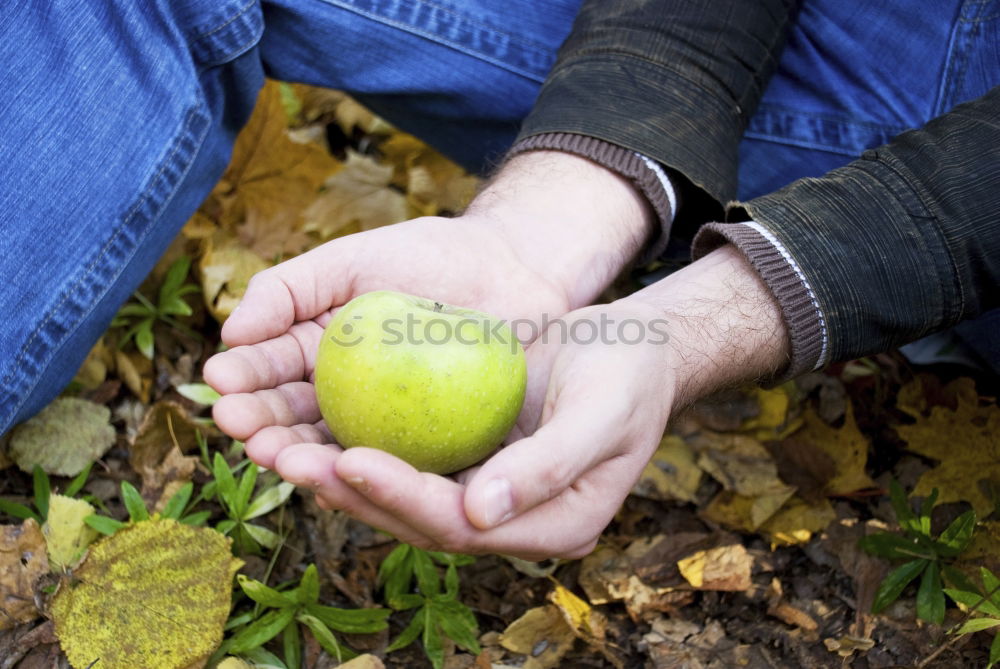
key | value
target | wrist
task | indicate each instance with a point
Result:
(724, 326)
(567, 218)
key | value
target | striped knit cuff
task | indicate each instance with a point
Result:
(645, 174)
(799, 306)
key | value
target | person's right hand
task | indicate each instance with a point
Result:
(547, 236)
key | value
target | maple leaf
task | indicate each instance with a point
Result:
(966, 443)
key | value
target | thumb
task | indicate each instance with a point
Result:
(296, 290)
(583, 431)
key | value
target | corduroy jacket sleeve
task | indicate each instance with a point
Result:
(673, 80)
(893, 246)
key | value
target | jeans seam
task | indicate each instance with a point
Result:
(7, 382)
(436, 38)
(243, 10)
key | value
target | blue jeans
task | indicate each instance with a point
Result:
(118, 118)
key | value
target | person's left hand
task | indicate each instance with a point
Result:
(593, 415)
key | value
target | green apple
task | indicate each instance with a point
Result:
(435, 385)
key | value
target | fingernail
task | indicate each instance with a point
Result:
(359, 484)
(499, 502)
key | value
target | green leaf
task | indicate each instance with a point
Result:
(433, 643)
(225, 526)
(994, 651)
(239, 621)
(262, 630)
(264, 659)
(103, 524)
(226, 485)
(133, 503)
(957, 535)
(350, 621)
(291, 642)
(891, 546)
(930, 597)
(19, 511)
(973, 600)
(175, 306)
(133, 309)
(144, 337)
(262, 535)
(197, 518)
(325, 638)
(458, 622)
(411, 632)
(175, 506)
(244, 490)
(890, 589)
(428, 580)
(406, 602)
(263, 594)
(926, 507)
(451, 581)
(901, 505)
(977, 625)
(396, 571)
(269, 500)
(308, 590)
(174, 278)
(202, 393)
(957, 579)
(43, 490)
(991, 583)
(76, 485)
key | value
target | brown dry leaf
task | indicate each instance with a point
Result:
(357, 198)
(94, 369)
(846, 446)
(23, 561)
(542, 634)
(433, 183)
(275, 238)
(136, 370)
(740, 512)
(740, 463)
(157, 450)
(672, 473)
(983, 550)
(966, 443)
(269, 174)
(226, 267)
(797, 521)
(720, 568)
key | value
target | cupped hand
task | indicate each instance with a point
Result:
(599, 393)
(547, 235)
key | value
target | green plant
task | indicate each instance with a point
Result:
(175, 508)
(42, 490)
(235, 497)
(140, 316)
(282, 613)
(985, 605)
(438, 614)
(925, 555)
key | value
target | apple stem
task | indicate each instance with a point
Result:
(438, 307)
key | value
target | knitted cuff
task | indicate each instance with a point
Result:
(645, 174)
(799, 307)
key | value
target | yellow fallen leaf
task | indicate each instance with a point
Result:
(366, 661)
(225, 268)
(745, 513)
(66, 535)
(720, 568)
(774, 404)
(672, 473)
(22, 562)
(542, 634)
(966, 443)
(740, 463)
(846, 446)
(155, 594)
(797, 521)
(432, 182)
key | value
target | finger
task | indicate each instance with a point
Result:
(244, 414)
(584, 429)
(264, 446)
(286, 358)
(313, 466)
(296, 290)
(428, 503)
(540, 358)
